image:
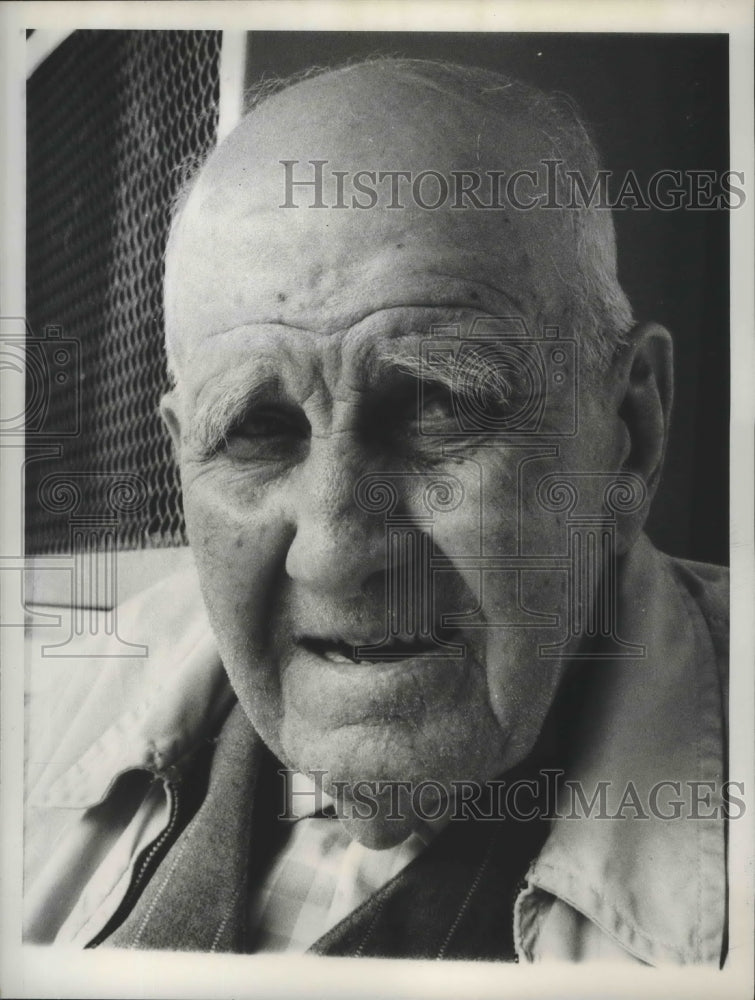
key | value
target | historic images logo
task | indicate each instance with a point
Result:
(315, 184)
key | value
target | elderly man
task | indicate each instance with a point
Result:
(418, 435)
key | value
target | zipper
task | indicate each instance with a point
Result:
(151, 857)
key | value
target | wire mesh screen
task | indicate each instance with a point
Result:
(113, 119)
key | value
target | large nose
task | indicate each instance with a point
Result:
(337, 545)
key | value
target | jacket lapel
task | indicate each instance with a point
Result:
(197, 898)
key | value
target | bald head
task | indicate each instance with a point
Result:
(392, 119)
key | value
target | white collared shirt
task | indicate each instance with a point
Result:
(320, 875)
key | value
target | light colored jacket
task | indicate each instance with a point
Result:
(639, 878)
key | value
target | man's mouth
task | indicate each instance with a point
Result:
(361, 676)
(366, 654)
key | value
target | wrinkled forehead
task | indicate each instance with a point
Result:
(251, 247)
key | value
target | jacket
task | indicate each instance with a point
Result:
(647, 885)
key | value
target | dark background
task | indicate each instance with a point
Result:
(653, 102)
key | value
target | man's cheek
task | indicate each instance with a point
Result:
(482, 525)
(238, 555)
(239, 549)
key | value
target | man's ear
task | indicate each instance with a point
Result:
(646, 387)
(169, 411)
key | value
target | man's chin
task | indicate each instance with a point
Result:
(381, 814)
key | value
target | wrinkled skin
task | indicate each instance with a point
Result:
(295, 307)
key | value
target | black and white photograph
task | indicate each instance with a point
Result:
(377, 460)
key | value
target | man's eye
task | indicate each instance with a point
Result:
(267, 435)
(264, 425)
(438, 409)
(457, 413)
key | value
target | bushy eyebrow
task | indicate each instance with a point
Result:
(475, 377)
(231, 399)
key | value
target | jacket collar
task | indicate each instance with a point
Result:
(152, 713)
(654, 885)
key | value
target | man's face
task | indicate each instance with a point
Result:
(298, 332)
